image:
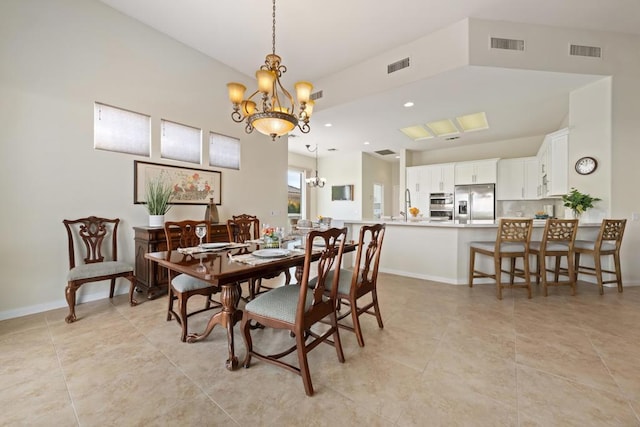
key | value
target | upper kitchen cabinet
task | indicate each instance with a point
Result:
(554, 164)
(418, 185)
(518, 179)
(476, 172)
(441, 178)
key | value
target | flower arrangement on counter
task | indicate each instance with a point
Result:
(414, 211)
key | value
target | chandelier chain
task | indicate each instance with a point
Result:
(273, 28)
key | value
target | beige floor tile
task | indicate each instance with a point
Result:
(447, 355)
(545, 399)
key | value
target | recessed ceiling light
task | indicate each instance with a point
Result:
(408, 104)
(366, 143)
(397, 157)
(443, 127)
(416, 132)
(328, 125)
(471, 122)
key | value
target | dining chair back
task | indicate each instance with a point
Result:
(242, 228)
(93, 257)
(607, 243)
(182, 234)
(558, 239)
(297, 308)
(512, 242)
(362, 280)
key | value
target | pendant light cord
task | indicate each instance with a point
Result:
(273, 32)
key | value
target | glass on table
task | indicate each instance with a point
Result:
(201, 231)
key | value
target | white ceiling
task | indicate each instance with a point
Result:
(319, 38)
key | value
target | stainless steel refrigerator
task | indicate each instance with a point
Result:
(475, 202)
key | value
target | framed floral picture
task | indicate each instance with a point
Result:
(190, 186)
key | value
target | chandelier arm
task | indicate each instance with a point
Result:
(248, 128)
(304, 126)
(236, 116)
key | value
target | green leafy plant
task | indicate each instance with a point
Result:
(578, 202)
(159, 194)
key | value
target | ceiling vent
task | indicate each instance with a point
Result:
(398, 65)
(384, 152)
(507, 44)
(590, 51)
(316, 95)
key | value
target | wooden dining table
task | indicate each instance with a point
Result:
(219, 269)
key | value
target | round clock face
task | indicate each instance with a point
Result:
(586, 165)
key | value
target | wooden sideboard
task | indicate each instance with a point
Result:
(151, 278)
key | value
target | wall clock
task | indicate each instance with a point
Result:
(586, 165)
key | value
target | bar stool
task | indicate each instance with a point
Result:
(512, 242)
(558, 239)
(608, 242)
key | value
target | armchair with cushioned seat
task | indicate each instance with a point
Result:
(297, 308)
(99, 239)
(182, 234)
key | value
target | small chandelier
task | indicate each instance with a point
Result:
(277, 114)
(315, 181)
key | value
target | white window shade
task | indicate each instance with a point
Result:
(224, 151)
(180, 142)
(116, 129)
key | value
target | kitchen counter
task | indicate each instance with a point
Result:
(439, 250)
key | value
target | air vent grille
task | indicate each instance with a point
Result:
(316, 95)
(507, 44)
(590, 51)
(398, 65)
(384, 152)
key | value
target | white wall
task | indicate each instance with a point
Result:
(58, 57)
(340, 169)
(376, 171)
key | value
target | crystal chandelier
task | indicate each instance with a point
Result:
(315, 181)
(276, 115)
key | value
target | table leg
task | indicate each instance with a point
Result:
(227, 318)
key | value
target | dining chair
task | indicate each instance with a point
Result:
(242, 228)
(182, 234)
(557, 241)
(95, 259)
(361, 281)
(297, 308)
(512, 242)
(607, 243)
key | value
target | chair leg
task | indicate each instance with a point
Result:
(472, 261)
(336, 337)
(170, 307)
(616, 262)
(497, 262)
(512, 271)
(132, 286)
(70, 295)
(542, 265)
(571, 273)
(112, 288)
(527, 275)
(556, 275)
(538, 272)
(376, 307)
(576, 266)
(355, 316)
(303, 363)
(598, 266)
(183, 316)
(245, 327)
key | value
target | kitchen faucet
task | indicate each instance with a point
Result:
(407, 203)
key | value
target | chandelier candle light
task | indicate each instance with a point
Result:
(315, 181)
(277, 115)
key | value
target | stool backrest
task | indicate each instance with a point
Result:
(560, 230)
(512, 230)
(611, 231)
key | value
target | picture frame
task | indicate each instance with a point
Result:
(191, 186)
(342, 192)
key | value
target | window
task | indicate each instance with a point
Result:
(180, 142)
(224, 151)
(123, 131)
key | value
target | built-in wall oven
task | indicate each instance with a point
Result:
(441, 206)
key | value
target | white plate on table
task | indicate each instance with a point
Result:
(271, 253)
(215, 245)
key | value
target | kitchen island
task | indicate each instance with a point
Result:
(439, 250)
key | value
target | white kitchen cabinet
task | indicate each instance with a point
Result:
(476, 172)
(554, 164)
(418, 179)
(517, 179)
(441, 178)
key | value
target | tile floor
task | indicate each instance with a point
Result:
(448, 355)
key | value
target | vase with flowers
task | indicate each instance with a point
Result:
(578, 202)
